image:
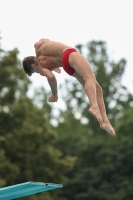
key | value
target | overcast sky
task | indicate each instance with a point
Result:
(23, 22)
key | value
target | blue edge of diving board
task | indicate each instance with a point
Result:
(26, 189)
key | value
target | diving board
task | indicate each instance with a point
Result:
(26, 189)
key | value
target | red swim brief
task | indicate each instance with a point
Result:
(65, 61)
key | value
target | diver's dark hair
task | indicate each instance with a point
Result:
(27, 62)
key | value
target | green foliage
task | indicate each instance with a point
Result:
(27, 151)
(73, 135)
(103, 168)
(13, 81)
(109, 74)
(125, 125)
(103, 171)
(85, 159)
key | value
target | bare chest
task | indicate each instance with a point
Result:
(50, 62)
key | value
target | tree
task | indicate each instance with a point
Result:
(27, 151)
(103, 169)
(109, 74)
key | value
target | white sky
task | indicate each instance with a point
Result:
(23, 22)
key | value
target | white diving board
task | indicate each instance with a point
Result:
(26, 189)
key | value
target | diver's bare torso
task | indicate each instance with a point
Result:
(49, 53)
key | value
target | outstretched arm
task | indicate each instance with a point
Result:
(52, 82)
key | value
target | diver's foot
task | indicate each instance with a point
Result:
(97, 115)
(107, 127)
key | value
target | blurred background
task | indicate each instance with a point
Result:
(62, 142)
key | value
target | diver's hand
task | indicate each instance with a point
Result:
(53, 98)
(58, 70)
